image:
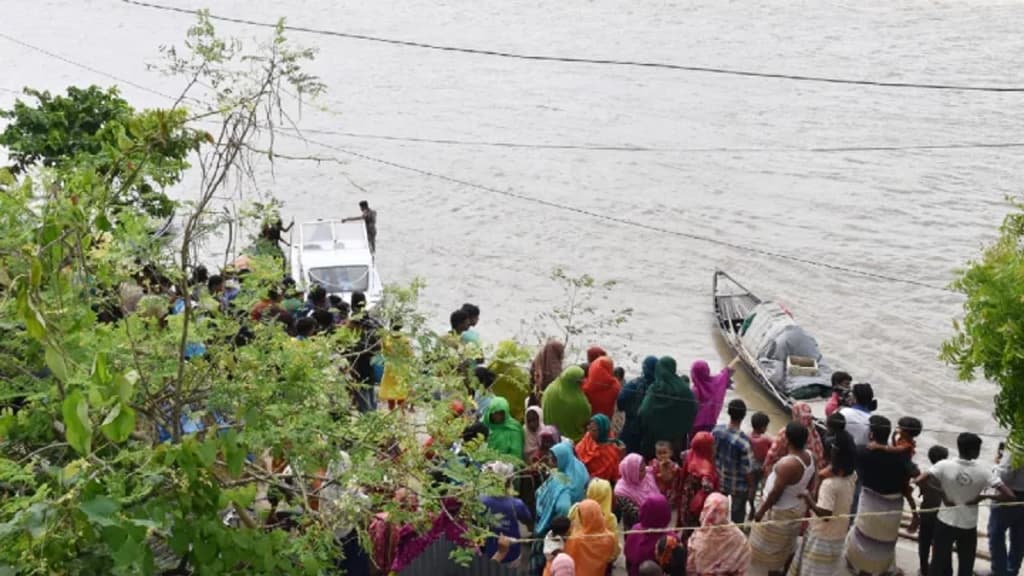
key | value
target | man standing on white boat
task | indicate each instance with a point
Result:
(369, 218)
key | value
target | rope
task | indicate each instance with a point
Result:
(580, 60)
(751, 524)
(648, 149)
(635, 224)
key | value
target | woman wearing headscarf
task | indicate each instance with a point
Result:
(602, 387)
(547, 365)
(565, 405)
(630, 397)
(510, 381)
(600, 491)
(557, 494)
(655, 514)
(634, 487)
(803, 414)
(532, 477)
(592, 546)
(531, 433)
(709, 391)
(595, 352)
(668, 409)
(699, 478)
(504, 433)
(718, 547)
(598, 451)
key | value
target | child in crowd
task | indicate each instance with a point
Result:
(554, 541)
(665, 472)
(931, 498)
(904, 440)
(671, 555)
(760, 443)
(841, 382)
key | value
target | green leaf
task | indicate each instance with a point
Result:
(119, 423)
(78, 427)
(35, 323)
(100, 373)
(125, 384)
(101, 511)
(55, 362)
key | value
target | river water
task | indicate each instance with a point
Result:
(916, 214)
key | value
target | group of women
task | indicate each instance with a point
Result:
(655, 481)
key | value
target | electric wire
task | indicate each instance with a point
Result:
(539, 201)
(580, 60)
(632, 223)
(640, 148)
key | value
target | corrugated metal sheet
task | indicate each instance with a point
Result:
(435, 562)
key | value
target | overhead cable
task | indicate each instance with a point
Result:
(581, 60)
(631, 223)
(541, 201)
(684, 150)
(86, 67)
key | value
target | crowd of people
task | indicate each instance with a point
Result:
(600, 467)
(646, 463)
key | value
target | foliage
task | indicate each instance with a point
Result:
(581, 311)
(98, 127)
(148, 426)
(990, 337)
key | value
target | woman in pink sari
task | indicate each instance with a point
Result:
(718, 548)
(710, 393)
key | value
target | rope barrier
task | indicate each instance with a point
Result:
(580, 60)
(751, 524)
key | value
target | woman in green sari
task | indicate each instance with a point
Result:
(505, 433)
(511, 382)
(667, 411)
(566, 406)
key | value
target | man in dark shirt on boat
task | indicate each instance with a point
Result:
(369, 218)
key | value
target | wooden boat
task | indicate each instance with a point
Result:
(779, 355)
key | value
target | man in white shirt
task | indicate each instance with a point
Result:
(857, 416)
(963, 480)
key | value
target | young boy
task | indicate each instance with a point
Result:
(554, 540)
(733, 460)
(760, 443)
(931, 498)
(904, 440)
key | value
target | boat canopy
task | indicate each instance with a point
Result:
(786, 353)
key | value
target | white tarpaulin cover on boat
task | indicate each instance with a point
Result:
(772, 336)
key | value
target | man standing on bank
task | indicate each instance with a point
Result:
(369, 218)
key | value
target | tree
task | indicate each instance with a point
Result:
(581, 311)
(990, 337)
(149, 426)
(95, 125)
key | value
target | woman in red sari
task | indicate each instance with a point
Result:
(602, 387)
(598, 451)
(698, 479)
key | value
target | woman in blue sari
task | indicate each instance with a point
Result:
(564, 487)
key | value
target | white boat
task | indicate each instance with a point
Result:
(336, 255)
